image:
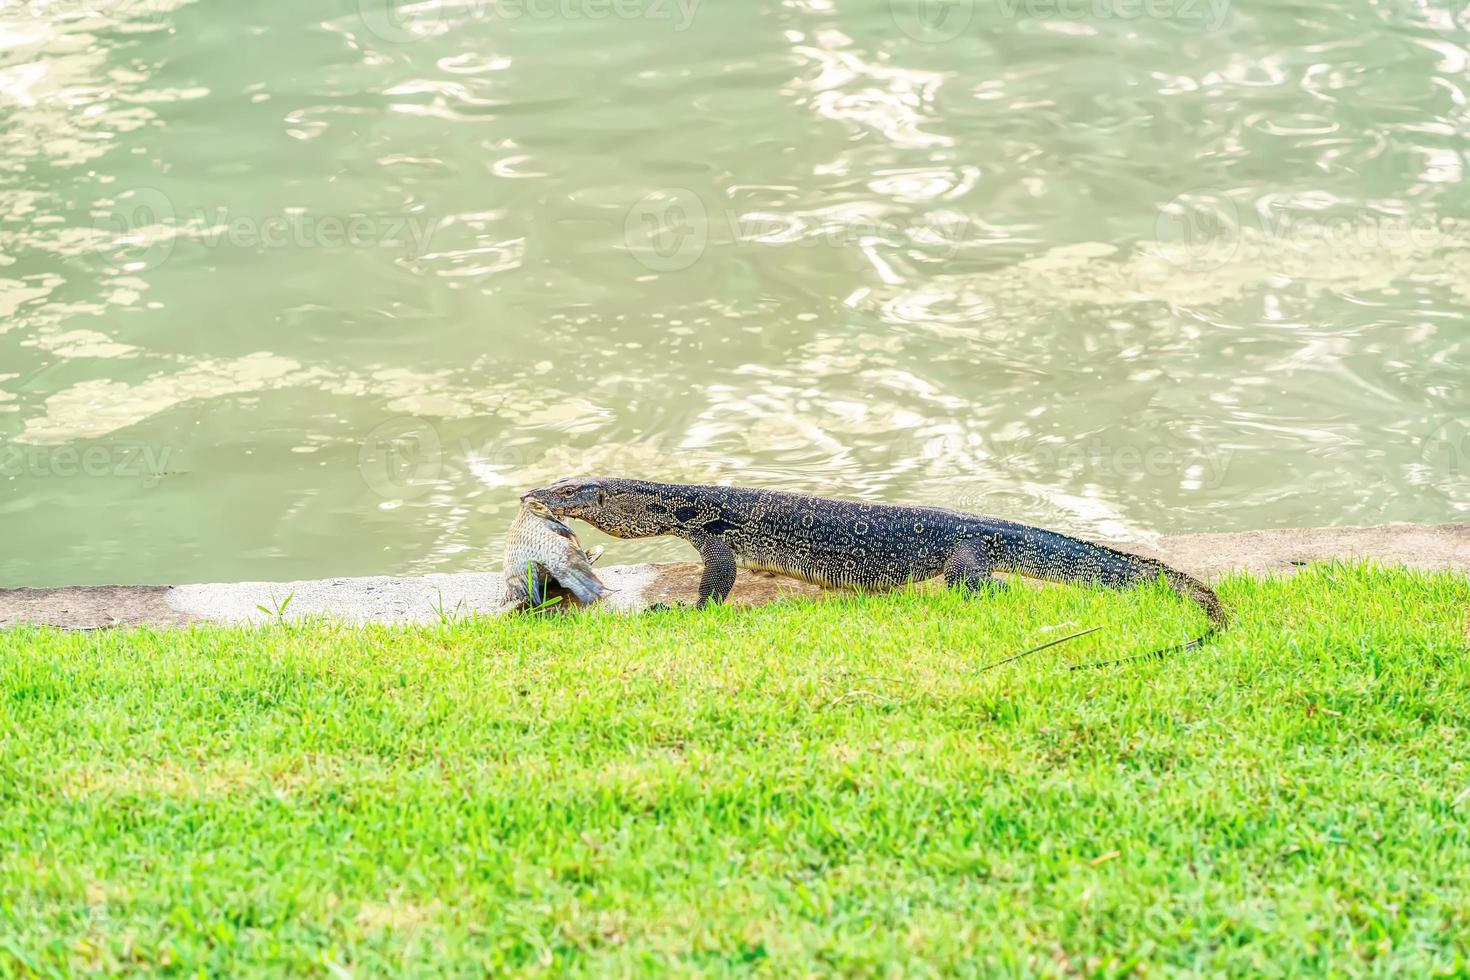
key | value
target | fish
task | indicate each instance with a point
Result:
(544, 561)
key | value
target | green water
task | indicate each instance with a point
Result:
(309, 289)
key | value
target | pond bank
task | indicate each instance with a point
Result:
(432, 597)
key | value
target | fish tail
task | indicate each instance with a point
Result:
(583, 584)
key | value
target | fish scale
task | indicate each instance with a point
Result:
(544, 561)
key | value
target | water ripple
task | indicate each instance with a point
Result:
(364, 270)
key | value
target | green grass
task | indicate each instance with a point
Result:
(807, 787)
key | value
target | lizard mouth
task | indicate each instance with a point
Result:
(566, 498)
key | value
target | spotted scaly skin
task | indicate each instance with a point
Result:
(850, 544)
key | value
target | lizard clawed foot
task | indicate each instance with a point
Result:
(985, 587)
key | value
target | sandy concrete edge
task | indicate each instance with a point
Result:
(1430, 547)
(385, 599)
(91, 607)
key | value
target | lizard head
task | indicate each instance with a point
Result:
(622, 508)
(569, 497)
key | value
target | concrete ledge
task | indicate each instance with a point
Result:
(1430, 547)
(91, 607)
(383, 599)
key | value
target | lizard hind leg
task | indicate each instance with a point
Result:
(970, 567)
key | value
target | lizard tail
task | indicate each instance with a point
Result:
(1199, 593)
(1190, 588)
(1059, 557)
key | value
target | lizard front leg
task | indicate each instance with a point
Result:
(719, 568)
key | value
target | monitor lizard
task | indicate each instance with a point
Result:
(852, 544)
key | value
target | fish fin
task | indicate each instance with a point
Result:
(516, 597)
(536, 582)
(582, 583)
(560, 528)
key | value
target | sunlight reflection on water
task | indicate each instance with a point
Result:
(317, 290)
